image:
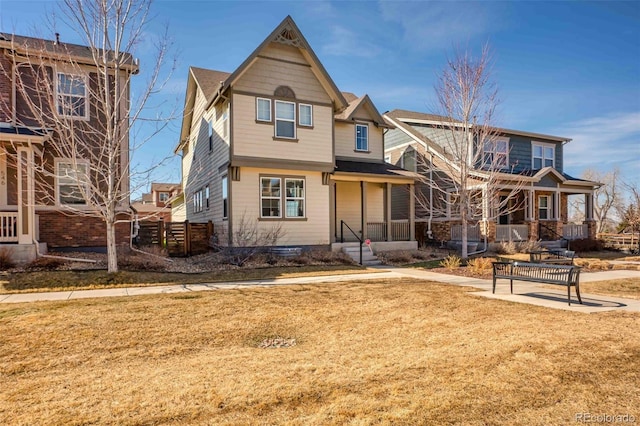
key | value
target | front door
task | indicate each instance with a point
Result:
(504, 219)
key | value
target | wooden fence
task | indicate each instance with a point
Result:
(621, 241)
(179, 238)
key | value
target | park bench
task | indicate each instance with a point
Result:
(555, 257)
(568, 276)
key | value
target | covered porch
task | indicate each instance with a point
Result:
(18, 221)
(360, 197)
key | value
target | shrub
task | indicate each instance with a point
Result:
(479, 265)
(396, 257)
(6, 262)
(528, 246)
(451, 262)
(506, 248)
(586, 244)
(45, 264)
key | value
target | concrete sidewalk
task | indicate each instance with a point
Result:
(524, 292)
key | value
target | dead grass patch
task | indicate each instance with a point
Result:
(95, 279)
(389, 352)
(621, 287)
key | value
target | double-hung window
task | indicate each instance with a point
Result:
(362, 137)
(225, 122)
(210, 130)
(543, 156)
(294, 197)
(71, 99)
(263, 109)
(270, 197)
(163, 197)
(225, 198)
(305, 115)
(544, 207)
(72, 182)
(496, 153)
(285, 119)
(206, 197)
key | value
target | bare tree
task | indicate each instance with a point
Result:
(474, 179)
(81, 96)
(607, 198)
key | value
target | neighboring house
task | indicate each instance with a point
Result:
(275, 144)
(157, 205)
(34, 208)
(539, 210)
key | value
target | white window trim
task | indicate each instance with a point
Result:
(310, 115)
(492, 151)
(258, 110)
(304, 198)
(225, 122)
(160, 196)
(275, 120)
(207, 194)
(549, 208)
(210, 130)
(222, 184)
(262, 197)
(356, 137)
(79, 161)
(87, 107)
(543, 145)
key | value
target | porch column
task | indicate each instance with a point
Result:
(588, 206)
(412, 212)
(556, 206)
(387, 211)
(485, 203)
(363, 209)
(333, 213)
(25, 195)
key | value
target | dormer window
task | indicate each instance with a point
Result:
(543, 155)
(163, 197)
(71, 96)
(362, 137)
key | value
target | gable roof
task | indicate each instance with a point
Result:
(355, 103)
(58, 50)
(420, 117)
(288, 33)
(208, 80)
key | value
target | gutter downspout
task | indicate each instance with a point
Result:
(429, 232)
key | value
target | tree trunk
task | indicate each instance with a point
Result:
(112, 255)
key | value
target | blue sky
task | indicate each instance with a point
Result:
(563, 68)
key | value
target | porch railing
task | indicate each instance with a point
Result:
(575, 232)
(8, 227)
(473, 233)
(377, 231)
(512, 232)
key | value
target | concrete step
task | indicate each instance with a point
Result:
(368, 258)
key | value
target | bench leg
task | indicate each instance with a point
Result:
(578, 292)
(569, 293)
(511, 284)
(494, 284)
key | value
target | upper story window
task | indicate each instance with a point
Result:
(263, 109)
(544, 155)
(362, 137)
(225, 122)
(163, 197)
(305, 115)
(496, 153)
(225, 197)
(71, 96)
(71, 181)
(210, 133)
(285, 119)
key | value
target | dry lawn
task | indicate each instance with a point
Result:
(622, 287)
(396, 352)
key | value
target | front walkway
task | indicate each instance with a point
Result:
(524, 292)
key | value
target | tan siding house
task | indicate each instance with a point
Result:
(275, 144)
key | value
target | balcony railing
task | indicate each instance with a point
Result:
(575, 232)
(512, 232)
(400, 230)
(377, 231)
(8, 227)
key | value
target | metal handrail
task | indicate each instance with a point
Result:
(554, 233)
(342, 225)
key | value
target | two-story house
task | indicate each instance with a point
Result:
(40, 185)
(156, 205)
(275, 145)
(530, 162)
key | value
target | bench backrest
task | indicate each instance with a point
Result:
(538, 271)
